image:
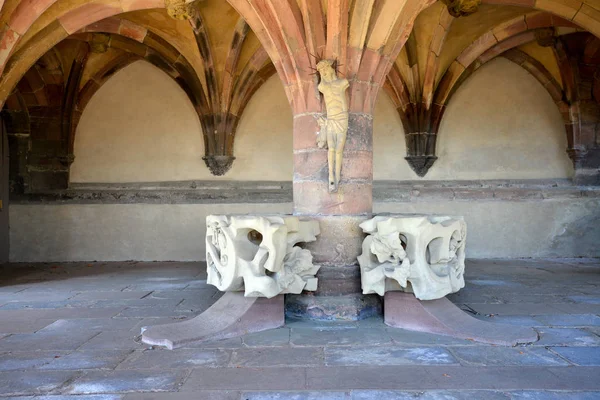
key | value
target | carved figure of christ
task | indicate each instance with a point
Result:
(334, 127)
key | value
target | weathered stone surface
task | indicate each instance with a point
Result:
(358, 355)
(125, 381)
(184, 358)
(424, 255)
(498, 356)
(245, 379)
(37, 382)
(80, 360)
(338, 336)
(231, 316)
(277, 357)
(258, 254)
(587, 356)
(403, 310)
(566, 337)
(46, 341)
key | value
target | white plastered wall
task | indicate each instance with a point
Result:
(141, 127)
(500, 124)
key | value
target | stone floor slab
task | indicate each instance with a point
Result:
(587, 299)
(127, 295)
(587, 356)
(452, 377)
(126, 381)
(17, 383)
(28, 360)
(153, 312)
(81, 397)
(82, 360)
(566, 337)
(503, 356)
(515, 309)
(403, 337)
(114, 340)
(92, 324)
(46, 341)
(295, 396)
(519, 320)
(200, 395)
(427, 395)
(560, 297)
(30, 326)
(578, 308)
(554, 395)
(274, 337)
(245, 379)
(278, 357)
(176, 359)
(10, 316)
(338, 337)
(386, 355)
(569, 320)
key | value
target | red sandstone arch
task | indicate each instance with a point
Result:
(580, 12)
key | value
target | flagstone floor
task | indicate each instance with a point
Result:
(72, 331)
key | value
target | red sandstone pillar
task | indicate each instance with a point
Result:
(339, 294)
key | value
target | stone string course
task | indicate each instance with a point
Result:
(210, 192)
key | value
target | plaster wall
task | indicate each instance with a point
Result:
(141, 127)
(500, 124)
(158, 232)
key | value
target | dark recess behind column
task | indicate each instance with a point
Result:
(4, 238)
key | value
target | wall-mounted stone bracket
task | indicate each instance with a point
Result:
(219, 165)
(231, 316)
(441, 317)
(420, 164)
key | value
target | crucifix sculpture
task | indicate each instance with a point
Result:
(334, 126)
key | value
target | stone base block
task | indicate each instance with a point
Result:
(232, 315)
(350, 307)
(404, 310)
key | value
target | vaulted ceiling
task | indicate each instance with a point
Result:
(55, 54)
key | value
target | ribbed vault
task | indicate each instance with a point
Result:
(54, 55)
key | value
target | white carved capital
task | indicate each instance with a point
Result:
(424, 255)
(258, 254)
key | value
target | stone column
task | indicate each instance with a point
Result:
(339, 294)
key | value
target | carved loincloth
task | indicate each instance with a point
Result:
(336, 124)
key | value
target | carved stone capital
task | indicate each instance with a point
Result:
(420, 164)
(258, 254)
(545, 37)
(424, 255)
(179, 9)
(219, 165)
(461, 8)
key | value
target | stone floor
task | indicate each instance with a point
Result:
(72, 331)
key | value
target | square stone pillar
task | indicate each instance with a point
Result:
(339, 294)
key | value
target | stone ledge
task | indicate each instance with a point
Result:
(227, 192)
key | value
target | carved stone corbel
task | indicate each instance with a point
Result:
(100, 43)
(545, 37)
(219, 165)
(421, 163)
(179, 9)
(461, 8)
